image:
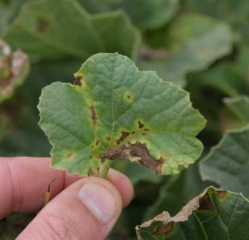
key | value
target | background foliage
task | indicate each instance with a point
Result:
(201, 45)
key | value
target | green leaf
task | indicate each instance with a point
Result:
(3, 126)
(61, 28)
(177, 191)
(227, 163)
(194, 41)
(13, 225)
(214, 214)
(233, 12)
(242, 61)
(14, 69)
(152, 14)
(114, 111)
(225, 77)
(23, 137)
(136, 172)
(240, 106)
(8, 11)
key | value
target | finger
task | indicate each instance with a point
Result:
(24, 181)
(87, 209)
(123, 184)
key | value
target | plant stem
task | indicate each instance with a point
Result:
(107, 164)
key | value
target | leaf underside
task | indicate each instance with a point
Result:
(113, 111)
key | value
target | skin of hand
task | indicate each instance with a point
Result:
(81, 208)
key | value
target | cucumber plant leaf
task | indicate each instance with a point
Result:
(62, 28)
(214, 214)
(14, 68)
(113, 111)
(152, 14)
(193, 42)
(240, 106)
(136, 173)
(231, 79)
(227, 163)
(233, 12)
(13, 225)
(177, 191)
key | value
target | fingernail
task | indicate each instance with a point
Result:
(99, 201)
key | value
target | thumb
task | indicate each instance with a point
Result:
(87, 209)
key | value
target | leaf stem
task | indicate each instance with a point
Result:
(107, 164)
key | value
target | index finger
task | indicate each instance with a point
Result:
(24, 182)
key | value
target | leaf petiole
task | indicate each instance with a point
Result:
(107, 164)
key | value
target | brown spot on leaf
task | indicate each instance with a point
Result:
(93, 115)
(90, 172)
(164, 228)
(123, 137)
(128, 96)
(108, 139)
(136, 151)
(69, 156)
(42, 24)
(140, 125)
(205, 203)
(222, 193)
(133, 132)
(139, 150)
(114, 153)
(78, 81)
(97, 143)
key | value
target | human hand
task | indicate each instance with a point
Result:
(81, 208)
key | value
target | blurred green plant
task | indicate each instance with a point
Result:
(200, 45)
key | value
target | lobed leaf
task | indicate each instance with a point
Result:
(194, 41)
(116, 112)
(227, 163)
(233, 12)
(62, 28)
(214, 214)
(240, 106)
(152, 14)
(177, 191)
